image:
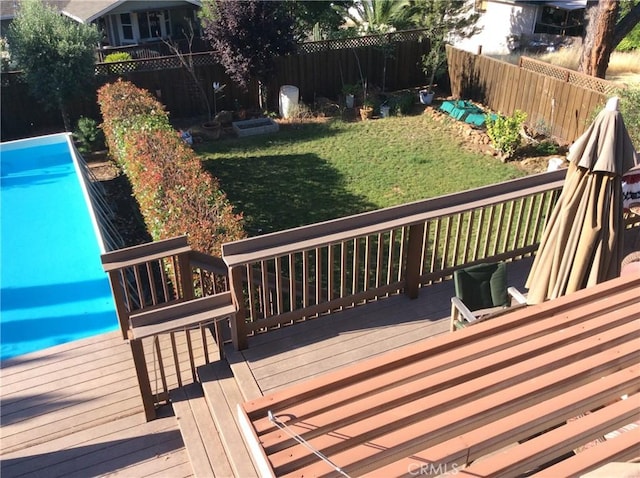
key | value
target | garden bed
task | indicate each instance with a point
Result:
(255, 126)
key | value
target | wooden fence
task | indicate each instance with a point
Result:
(319, 69)
(557, 101)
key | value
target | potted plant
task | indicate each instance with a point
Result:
(433, 63)
(366, 111)
(212, 126)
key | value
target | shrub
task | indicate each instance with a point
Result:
(546, 148)
(117, 56)
(504, 132)
(176, 196)
(88, 135)
(630, 109)
(405, 103)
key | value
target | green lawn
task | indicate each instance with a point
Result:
(319, 171)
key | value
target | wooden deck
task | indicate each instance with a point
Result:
(543, 381)
(75, 410)
(294, 354)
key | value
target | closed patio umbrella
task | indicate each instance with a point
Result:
(582, 244)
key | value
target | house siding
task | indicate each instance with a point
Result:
(498, 22)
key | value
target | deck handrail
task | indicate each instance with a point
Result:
(168, 297)
(299, 274)
(290, 276)
(314, 235)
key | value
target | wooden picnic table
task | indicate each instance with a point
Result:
(513, 395)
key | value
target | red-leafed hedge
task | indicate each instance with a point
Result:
(176, 196)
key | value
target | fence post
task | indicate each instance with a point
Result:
(412, 266)
(238, 328)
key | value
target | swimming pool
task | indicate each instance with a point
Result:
(54, 289)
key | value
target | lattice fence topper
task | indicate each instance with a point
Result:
(579, 79)
(151, 63)
(360, 42)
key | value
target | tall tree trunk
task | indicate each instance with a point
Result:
(65, 116)
(626, 24)
(598, 41)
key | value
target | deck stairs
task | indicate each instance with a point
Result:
(206, 415)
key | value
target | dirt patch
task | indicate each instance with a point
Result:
(101, 165)
(126, 219)
(475, 139)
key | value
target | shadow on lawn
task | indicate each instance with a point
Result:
(281, 192)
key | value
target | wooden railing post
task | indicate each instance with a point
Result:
(238, 328)
(412, 265)
(186, 276)
(119, 301)
(140, 363)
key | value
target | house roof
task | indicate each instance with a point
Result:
(85, 12)
(82, 11)
(9, 8)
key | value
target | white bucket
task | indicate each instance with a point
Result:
(350, 100)
(555, 163)
(385, 110)
(288, 100)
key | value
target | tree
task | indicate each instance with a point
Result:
(186, 60)
(56, 55)
(604, 33)
(442, 20)
(317, 20)
(628, 28)
(377, 16)
(246, 36)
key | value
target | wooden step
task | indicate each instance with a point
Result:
(199, 432)
(223, 397)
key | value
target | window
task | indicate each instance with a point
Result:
(127, 26)
(154, 24)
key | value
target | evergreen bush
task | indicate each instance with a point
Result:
(176, 196)
(88, 135)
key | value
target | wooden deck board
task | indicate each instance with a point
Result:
(199, 432)
(299, 352)
(223, 396)
(75, 410)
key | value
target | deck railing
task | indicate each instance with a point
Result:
(171, 300)
(168, 300)
(299, 274)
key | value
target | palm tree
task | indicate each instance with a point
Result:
(378, 16)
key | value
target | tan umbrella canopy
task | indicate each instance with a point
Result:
(582, 244)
